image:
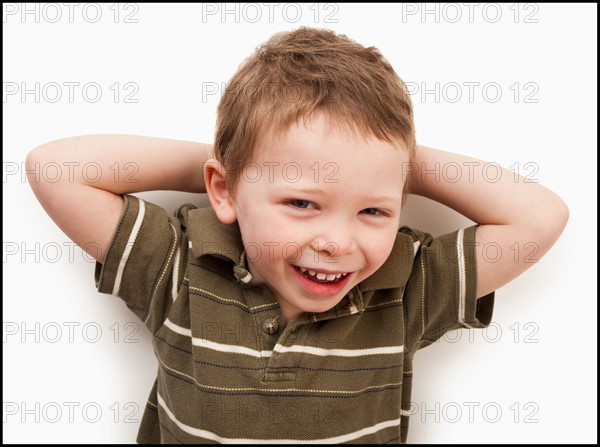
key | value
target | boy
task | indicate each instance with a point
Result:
(290, 310)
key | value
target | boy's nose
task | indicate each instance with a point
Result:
(335, 242)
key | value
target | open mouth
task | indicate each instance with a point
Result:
(320, 277)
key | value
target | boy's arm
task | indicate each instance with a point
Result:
(519, 220)
(85, 201)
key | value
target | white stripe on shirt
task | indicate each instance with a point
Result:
(235, 349)
(333, 440)
(134, 232)
(462, 292)
(175, 275)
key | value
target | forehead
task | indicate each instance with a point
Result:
(318, 128)
(329, 153)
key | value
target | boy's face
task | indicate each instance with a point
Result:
(320, 199)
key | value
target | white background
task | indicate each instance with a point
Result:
(531, 377)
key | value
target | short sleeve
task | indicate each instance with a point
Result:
(441, 294)
(144, 261)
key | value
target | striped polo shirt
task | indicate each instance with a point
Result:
(230, 371)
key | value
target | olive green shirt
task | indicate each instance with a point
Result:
(230, 371)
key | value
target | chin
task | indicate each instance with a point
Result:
(319, 307)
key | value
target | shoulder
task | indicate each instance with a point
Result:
(462, 239)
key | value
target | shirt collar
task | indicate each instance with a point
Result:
(209, 236)
(395, 271)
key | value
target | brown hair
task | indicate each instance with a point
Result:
(295, 74)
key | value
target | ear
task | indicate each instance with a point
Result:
(216, 187)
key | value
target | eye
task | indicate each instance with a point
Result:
(372, 211)
(303, 204)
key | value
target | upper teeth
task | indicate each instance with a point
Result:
(322, 276)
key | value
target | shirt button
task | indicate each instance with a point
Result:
(270, 326)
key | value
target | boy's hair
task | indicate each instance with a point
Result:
(298, 73)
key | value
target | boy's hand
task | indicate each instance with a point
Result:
(86, 202)
(519, 220)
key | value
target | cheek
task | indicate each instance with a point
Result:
(378, 248)
(269, 238)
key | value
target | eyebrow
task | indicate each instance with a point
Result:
(318, 191)
(306, 190)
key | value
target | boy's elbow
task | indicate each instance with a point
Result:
(32, 165)
(35, 155)
(564, 213)
(560, 215)
(552, 223)
(32, 158)
(36, 162)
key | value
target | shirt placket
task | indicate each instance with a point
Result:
(281, 364)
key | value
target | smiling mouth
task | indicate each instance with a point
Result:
(320, 277)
